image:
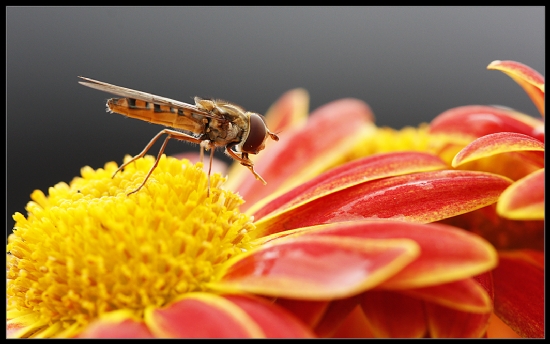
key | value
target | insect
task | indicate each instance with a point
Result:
(208, 123)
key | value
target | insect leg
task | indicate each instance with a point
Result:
(171, 134)
(210, 169)
(154, 165)
(245, 161)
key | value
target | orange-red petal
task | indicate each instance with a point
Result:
(201, 315)
(420, 197)
(524, 200)
(289, 111)
(464, 295)
(118, 324)
(474, 121)
(447, 253)
(528, 78)
(317, 267)
(498, 143)
(302, 153)
(519, 292)
(359, 171)
(275, 321)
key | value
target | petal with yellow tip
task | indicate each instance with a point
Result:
(524, 200)
(317, 268)
(420, 197)
(473, 121)
(528, 78)
(498, 143)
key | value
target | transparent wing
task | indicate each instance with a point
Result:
(148, 97)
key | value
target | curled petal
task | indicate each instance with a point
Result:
(420, 197)
(497, 143)
(303, 153)
(509, 154)
(524, 200)
(519, 292)
(528, 78)
(474, 121)
(201, 315)
(459, 254)
(359, 171)
(118, 324)
(273, 320)
(317, 268)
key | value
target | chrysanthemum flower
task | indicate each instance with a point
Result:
(90, 261)
(171, 262)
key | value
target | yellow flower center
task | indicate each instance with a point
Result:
(88, 248)
(384, 140)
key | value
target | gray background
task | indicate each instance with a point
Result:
(408, 64)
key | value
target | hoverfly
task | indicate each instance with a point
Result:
(208, 123)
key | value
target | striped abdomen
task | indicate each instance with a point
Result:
(177, 118)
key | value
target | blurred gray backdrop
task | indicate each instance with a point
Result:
(409, 64)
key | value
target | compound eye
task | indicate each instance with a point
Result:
(256, 136)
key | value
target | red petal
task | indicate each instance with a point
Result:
(528, 78)
(465, 295)
(498, 329)
(478, 120)
(519, 292)
(354, 326)
(447, 253)
(450, 323)
(201, 315)
(356, 172)
(393, 315)
(289, 111)
(524, 200)
(274, 320)
(302, 153)
(317, 268)
(421, 197)
(497, 143)
(335, 315)
(309, 312)
(113, 326)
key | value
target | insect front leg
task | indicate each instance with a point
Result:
(245, 161)
(207, 144)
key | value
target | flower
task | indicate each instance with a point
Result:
(91, 261)
(327, 237)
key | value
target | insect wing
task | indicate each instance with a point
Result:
(147, 97)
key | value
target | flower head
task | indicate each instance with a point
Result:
(339, 235)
